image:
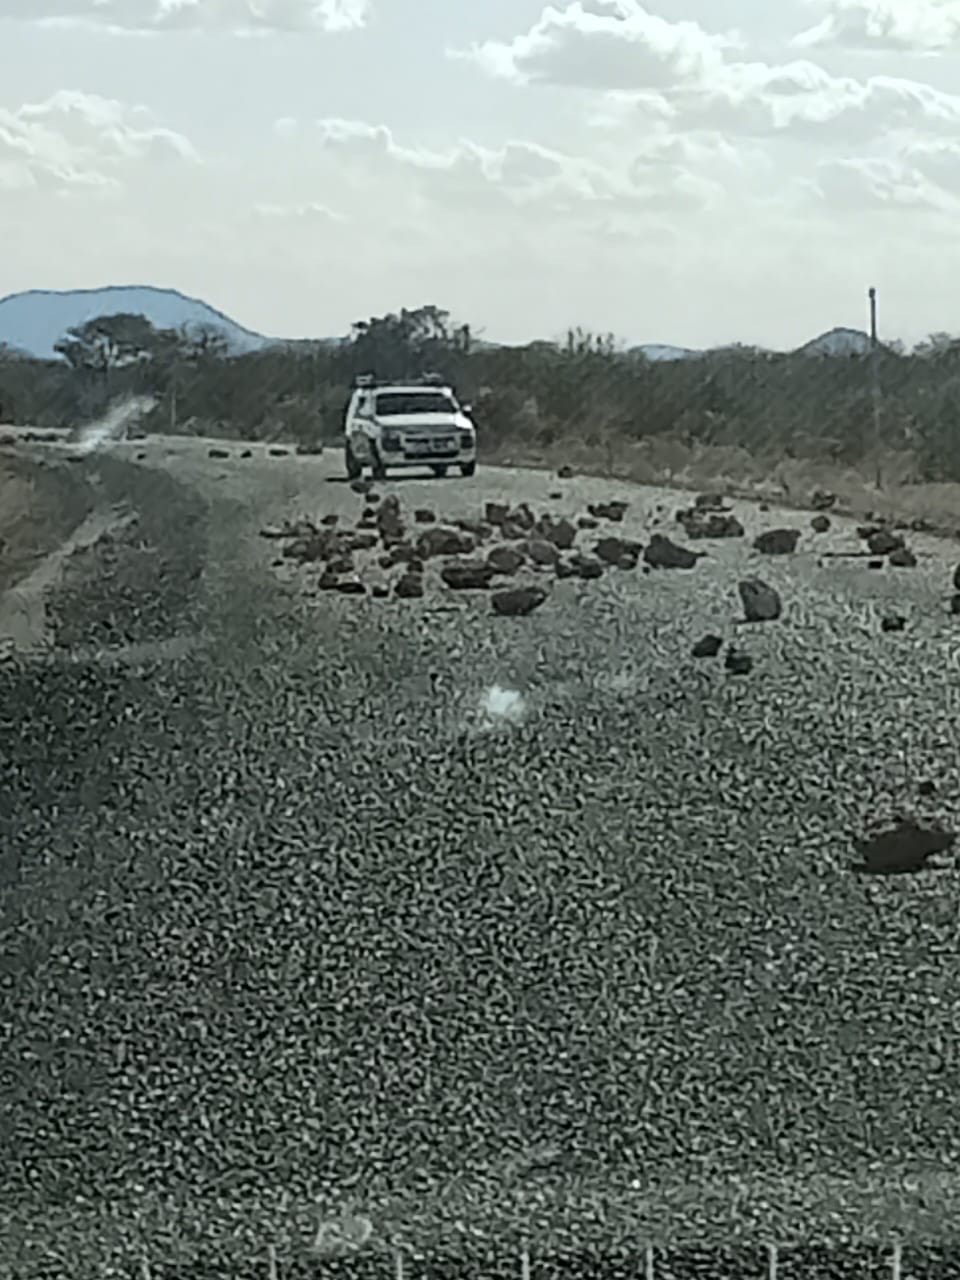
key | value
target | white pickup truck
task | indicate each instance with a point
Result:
(407, 424)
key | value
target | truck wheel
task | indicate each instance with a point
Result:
(468, 468)
(354, 468)
(379, 470)
(439, 472)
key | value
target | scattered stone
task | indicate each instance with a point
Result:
(882, 542)
(476, 528)
(955, 604)
(764, 506)
(247, 453)
(389, 520)
(361, 485)
(399, 553)
(615, 550)
(510, 531)
(920, 525)
(710, 502)
(927, 787)
(567, 570)
(423, 515)
(379, 591)
(761, 602)
(351, 587)
(409, 586)
(467, 575)
(307, 550)
(587, 522)
(565, 473)
(777, 542)
(277, 452)
(737, 662)
(903, 558)
(661, 553)
(505, 559)
(906, 848)
(892, 622)
(822, 500)
(820, 524)
(707, 647)
(328, 581)
(373, 498)
(560, 532)
(442, 541)
(218, 453)
(956, 578)
(542, 552)
(517, 602)
(309, 450)
(587, 567)
(608, 510)
(699, 524)
(496, 513)
(875, 564)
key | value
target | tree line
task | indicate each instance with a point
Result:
(587, 388)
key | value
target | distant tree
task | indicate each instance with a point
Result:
(404, 345)
(109, 342)
(936, 345)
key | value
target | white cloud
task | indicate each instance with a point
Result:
(249, 17)
(611, 168)
(80, 142)
(518, 175)
(308, 211)
(680, 73)
(901, 26)
(801, 99)
(597, 45)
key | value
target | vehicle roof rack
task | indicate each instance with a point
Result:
(421, 380)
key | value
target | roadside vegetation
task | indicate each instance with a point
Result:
(745, 412)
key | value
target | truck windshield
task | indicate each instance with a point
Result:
(392, 403)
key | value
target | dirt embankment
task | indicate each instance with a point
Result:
(41, 502)
(139, 582)
(96, 553)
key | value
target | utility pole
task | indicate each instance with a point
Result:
(875, 383)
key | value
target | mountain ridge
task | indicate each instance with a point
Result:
(32, 321)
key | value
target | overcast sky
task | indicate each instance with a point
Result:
(690, 173)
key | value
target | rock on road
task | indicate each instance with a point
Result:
(378, 893)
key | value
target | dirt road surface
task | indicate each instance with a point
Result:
(313, 902)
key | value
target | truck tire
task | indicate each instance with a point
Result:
(439, 471)
(379, 470)
(468, 468)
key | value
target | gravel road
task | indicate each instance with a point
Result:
(400, 906)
